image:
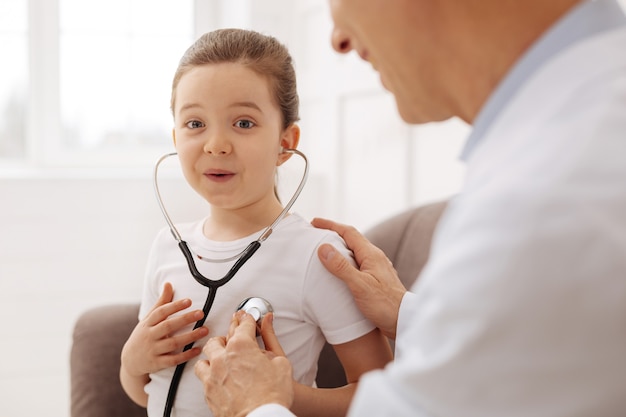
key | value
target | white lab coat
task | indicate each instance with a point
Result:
(521, 310)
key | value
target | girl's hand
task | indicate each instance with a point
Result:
(155, 343)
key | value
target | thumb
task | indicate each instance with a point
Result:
(336, 263)
(269, 336)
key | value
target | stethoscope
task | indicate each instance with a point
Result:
(256, 306)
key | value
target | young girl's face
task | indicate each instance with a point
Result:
(228, 133)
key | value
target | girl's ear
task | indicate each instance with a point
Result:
(174, 136)
(288, 140)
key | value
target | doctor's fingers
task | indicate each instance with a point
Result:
(356, 242)
(214, 347)
(338, 265)
(243, 325)
(201, 369)
(345, 231)
(234, 322)
(241, 338)
(272, 345)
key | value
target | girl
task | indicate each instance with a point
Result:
(235, 106)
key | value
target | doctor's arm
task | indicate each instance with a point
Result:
(374, 283)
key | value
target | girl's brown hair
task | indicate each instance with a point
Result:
(261, 53)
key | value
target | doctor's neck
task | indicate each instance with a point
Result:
(490, 37)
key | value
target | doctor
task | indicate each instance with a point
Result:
(521, 310)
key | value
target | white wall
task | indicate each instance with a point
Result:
(67, 244)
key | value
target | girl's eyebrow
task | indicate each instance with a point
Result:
(189, 106)
(249, 104)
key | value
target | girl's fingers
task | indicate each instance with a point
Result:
(171, 325)
(163, 312)
(167, 295)
(167, 361)
(176, 343)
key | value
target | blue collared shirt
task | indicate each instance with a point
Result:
(585, 20)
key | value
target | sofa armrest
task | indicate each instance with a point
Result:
(99, 335)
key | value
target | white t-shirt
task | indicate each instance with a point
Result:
(310, 305)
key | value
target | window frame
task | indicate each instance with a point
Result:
(44, 150)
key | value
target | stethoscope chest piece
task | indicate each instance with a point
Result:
(257, 307)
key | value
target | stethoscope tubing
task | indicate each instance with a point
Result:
(213, 285)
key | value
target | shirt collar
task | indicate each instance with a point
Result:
(585, 20)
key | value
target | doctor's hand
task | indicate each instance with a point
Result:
(238, 376)
(375, 285)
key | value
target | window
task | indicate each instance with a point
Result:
(14, 78)
(89, 81)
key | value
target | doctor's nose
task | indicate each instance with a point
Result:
(341, 41)
(217, 144)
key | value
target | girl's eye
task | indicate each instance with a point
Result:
(244, 124)
(194, 124)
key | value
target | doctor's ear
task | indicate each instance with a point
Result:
(174, 136)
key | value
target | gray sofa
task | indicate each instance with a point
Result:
(100, 333)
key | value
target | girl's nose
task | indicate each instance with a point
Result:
(217, 144)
